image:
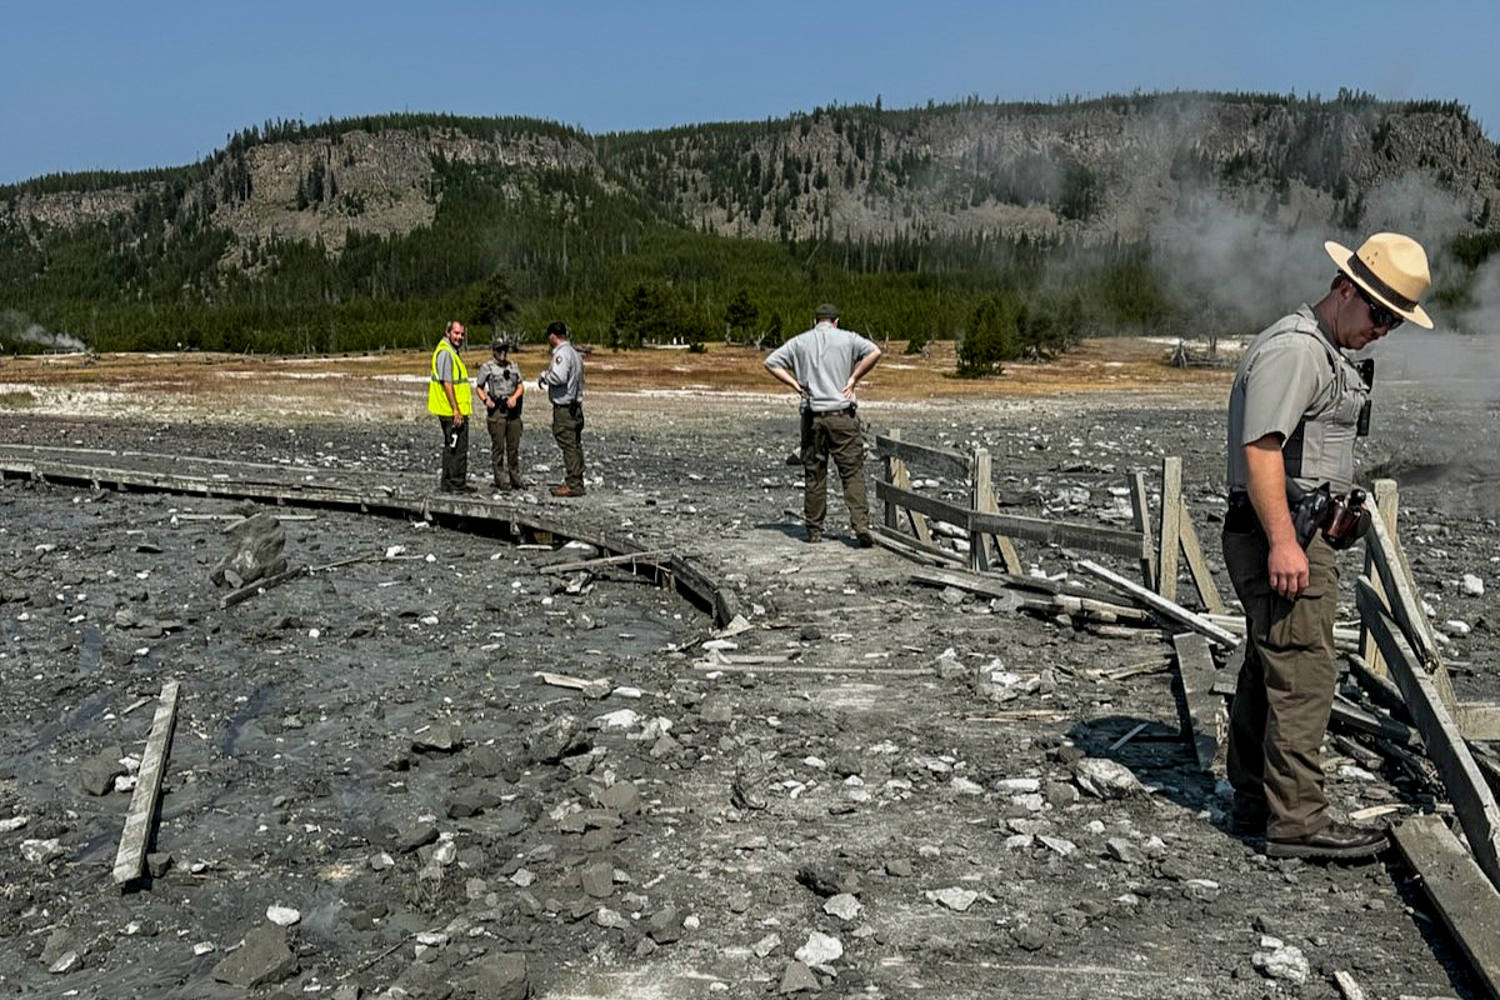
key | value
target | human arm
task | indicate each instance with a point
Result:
(860, 371)
(785, 377)
(1287, 563)
(514, 400)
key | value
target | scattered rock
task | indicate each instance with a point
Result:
(665, 925)
(549, 742)
(256, 551)
(598, 879)
(1105, 778)
(898, 868)
(282, 916)
(40, 852)
(158, 863)
(1473, 585)
(264, 958)
(618, 721)
(622, 797)
(440, 737)
(748, 789)
(843, 906)
(953, 897)
(820, 949)
(798, 978)
(503, 976)
(97, 774)
(1286, 963)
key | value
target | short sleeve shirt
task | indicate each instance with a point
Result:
(1280, 379)
(498, 380)
(822, 360)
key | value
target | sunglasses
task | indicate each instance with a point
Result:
(1380, 315)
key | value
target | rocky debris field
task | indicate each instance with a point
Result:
(874, 789)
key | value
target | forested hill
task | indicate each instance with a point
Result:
(345, 234)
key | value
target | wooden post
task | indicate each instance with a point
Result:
(1140, 511)
(892, 464)
(984, 502)
(1199, 709)
(1171, 521)
(1203, 580)
(979, 486)
(1389, 503)
(901, 479)
(135, 839)
(1469, 907)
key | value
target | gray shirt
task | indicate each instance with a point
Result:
(822, 360)
(1287, 375)
(498, 380)
(563, 380)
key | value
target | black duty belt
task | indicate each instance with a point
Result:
(847, 411)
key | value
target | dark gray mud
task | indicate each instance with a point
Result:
(696, 855)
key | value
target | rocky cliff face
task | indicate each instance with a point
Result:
(1121, 167)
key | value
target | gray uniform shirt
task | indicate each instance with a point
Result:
(564, 378)
(1293, 382)
(822, 360)
(498, 380)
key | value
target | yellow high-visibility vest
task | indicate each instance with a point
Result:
(437, 399)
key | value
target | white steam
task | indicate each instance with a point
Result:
(15, 327)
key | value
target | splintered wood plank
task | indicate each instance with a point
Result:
(1171, 524)
(1198, 709)
(1140, 515)
(1161, 605)
(1203, 580)
(979, 486)
(1479, 720)
(953, 464)
(1466, 902)
(1472, 799)
(130, 861)
(900, 478)
(985, 503)
(1388, 503)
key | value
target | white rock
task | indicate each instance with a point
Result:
(815, 762)
(40, 852)
(1473, 585)
(125, 782)
(1018, 785)
(13, 824)
(1269, 942)
(953, 897)
(445, 853)
(625, 718)
(766, 945)
(1031, 803)
(720, 645)
(1019, 841)
(1355, 772)
(380, 862)
(820, 949)
(1058, 844)
(843, 906)
(1286, 963)
(204, 948)
(608, 918)
(963, 786)
(691, 922)
(1105, 778)
(1428, 610)
(432, 939)
(67, 963)
(1457, 626)
(282, 916)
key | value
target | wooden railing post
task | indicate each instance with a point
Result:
(1388, 501)
(1140, 515)
(1171, 521)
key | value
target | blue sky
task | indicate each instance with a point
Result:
(118, 85)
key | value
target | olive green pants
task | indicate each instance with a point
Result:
(455, 458)
(1284, 693)
(505, 446)
(838, 435)
(567, 430)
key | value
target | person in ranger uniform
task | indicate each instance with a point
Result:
(1295, 409)
(563, 381)
(823, 365)
(500, 390)
(448, 399)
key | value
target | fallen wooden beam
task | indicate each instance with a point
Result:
(912, 548)
(1388, 504)
(1479, 720)
(260, 586)
(135, 839)
(1198, 709)
(652, 556)
(1471, 796)
(1468, 905)
(1192, 552)
(1161, 605)
(995, 585)
(1405, 606)
(1351, 716)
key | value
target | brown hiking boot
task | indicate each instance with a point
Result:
(1335, 842)
(565, 490)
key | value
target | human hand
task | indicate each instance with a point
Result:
(1287, 568)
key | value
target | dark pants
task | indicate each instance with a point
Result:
(838, 435)
(505, 446)
(567, 429)
(456, 458)
(1284, 694)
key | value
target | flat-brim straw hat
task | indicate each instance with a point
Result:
(1392, 268)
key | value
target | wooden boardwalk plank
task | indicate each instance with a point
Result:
(140, 818)
(1171, 524)
(1161, 605)
(1467, 904)
(1471, 796)
(1198, 708)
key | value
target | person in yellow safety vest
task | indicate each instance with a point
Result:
(449, 400)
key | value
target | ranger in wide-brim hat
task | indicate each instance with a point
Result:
(1390, 267)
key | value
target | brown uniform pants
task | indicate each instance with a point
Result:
(1284, 694)
(456, 458)
(567, 429)
(505, 446)
(835, 434)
